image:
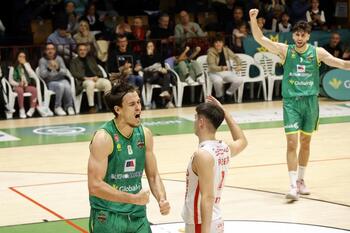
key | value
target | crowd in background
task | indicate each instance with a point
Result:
(132, 39)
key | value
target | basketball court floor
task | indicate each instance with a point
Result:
(43, 166)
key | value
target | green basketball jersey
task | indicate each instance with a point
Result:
(125, 168)
(301, 73)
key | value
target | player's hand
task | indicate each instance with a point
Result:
(164, 207)
(142, 197)
(213, 100)
(253, 13)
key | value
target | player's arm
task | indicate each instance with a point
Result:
(329, 59)
(273, 47)
(203, 166)
(239, 141)
(100, 148)
(153, 177)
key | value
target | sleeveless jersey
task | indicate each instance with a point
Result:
(125, 169)
(301, 73)
(191, 209)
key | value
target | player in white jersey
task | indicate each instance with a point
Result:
(207, 169)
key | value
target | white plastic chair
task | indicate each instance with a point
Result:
(78, 98)
(246, 62)
(148, 91)
(12, 95)
(48, 93)
(180, 86)
(268, 61)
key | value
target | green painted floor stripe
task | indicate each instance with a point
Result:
(47, 227)
(83, 132)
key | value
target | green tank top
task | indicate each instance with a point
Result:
(125, 168)
(301, 73)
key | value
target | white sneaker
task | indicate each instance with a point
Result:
(22, 113)
(70, 111)
(165, 94)
(42, 111)
(201, 80)
(293, 194)
(189, 81)
(170, 105)
(60, 112)
(30, 112)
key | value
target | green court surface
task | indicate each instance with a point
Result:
(82, 132)
(49, 227)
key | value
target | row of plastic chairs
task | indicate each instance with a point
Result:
(44, 94)
(266, 63)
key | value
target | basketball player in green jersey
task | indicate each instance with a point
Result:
(119, 153)
(300, 88)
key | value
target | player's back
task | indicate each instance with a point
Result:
(221, 155)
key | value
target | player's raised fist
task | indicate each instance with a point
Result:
(253, 13)
(142, 197)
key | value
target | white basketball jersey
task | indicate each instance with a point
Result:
(191, 209)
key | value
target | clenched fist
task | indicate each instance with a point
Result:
(253, 13)
(142, 197)
(164, 207)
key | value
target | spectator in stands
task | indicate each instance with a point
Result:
(187, 67)
(84, 36)
(63, 41)
(315, 17)
(346, 54)
(54, 73)
(123, 29)
(298, 10)
(140, 32)
(154, 72)
(238, 35)
(273, 13)
(284, 25)
(73, 25)
(164, 32)
(224, 11)
(123, 62)
(220, 71)
(235, 20)
(88, 76)
(261, 23)
(22, 79)
(91, 16)
(334, 46)
(187, 29)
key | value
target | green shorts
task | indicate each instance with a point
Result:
(300, 114)
(102, 221)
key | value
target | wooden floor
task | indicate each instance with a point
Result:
(55, 175)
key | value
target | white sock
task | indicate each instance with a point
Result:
(301, 172)
(293, 178)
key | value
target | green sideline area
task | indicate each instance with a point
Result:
(48, 227)
(82, 132)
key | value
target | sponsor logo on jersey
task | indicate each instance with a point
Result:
(130, 188)
(119, 147)
(130, 165)
(292, 126)
(116, 138)
(125, 176)
(301, 68)
(310, 58)
(140, 144)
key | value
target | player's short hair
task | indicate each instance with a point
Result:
(116, 95)
(302, 26)
(212, 112)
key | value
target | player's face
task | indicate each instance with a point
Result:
(131, 109)
(300, 38)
